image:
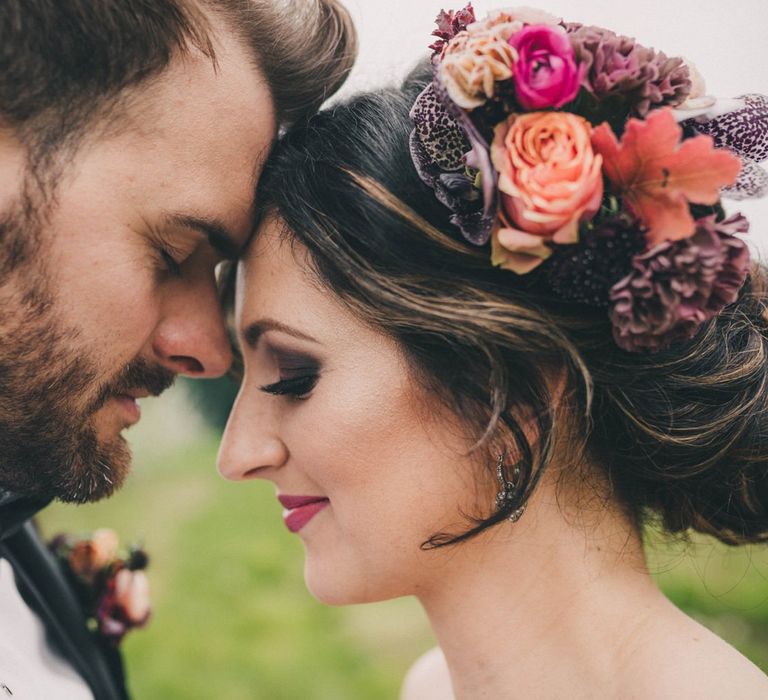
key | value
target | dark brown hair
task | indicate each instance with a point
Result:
(63, 64)
(681, 434)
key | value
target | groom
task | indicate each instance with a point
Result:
(132, 134)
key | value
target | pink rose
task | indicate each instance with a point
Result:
(132, 595)
(550, 179)
(546, 74)
(124, 604)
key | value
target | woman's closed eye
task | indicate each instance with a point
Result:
(298, 375)
(297, 387)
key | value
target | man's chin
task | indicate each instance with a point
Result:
(95, 474)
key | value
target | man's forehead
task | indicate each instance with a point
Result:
(213, 146)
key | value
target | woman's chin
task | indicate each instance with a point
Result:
(335, 586)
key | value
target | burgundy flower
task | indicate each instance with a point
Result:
(584, 272)
(449, 24)
(676, 286)
(619, 66)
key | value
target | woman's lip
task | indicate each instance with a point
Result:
(299, 510)
(290, 502)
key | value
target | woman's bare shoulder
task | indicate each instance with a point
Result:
(428, 678)
(704, 667)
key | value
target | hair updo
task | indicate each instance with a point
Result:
(680, 434)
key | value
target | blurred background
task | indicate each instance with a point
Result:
(232, 618)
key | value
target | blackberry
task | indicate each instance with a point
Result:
(584, 272)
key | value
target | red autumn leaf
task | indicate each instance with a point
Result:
(657, 175)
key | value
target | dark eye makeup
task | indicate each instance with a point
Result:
(298, 375)
(296, 387)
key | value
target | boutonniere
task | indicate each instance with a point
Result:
(110, 584)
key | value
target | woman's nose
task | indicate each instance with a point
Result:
(250, 447)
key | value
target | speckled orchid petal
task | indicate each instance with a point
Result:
(479, 156)
(743, 130)
(439, 145)
(752, 182)
(440, 135)
(475, 226)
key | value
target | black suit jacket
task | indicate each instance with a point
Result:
(45, 589)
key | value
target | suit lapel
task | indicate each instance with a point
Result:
(47, 592)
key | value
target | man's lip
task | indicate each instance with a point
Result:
(291, 502)
(130, 408)
(137, 393)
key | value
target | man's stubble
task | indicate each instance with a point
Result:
(49, 383)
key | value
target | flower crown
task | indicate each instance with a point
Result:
(601, 162)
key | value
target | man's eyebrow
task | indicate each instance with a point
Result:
(219, 236)
(255, 330)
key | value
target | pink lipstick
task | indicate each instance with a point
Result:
(299, 510)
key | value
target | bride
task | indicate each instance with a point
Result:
(479, 358)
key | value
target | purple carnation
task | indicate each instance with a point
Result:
(619, 66)
(676, 286)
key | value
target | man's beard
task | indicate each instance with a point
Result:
(49, 446)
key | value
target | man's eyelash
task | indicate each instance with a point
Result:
(170, 262)
(296, 387)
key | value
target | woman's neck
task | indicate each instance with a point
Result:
(544, 608)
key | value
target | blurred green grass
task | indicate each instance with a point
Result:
(233, 619)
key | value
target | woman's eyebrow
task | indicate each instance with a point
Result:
(253, 331)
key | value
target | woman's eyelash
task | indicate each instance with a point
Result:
(296, 387)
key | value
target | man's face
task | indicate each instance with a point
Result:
(118, 294)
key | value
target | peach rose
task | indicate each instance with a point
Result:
(550, 179)
(106, 545)
(88, 557)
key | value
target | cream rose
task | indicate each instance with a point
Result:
(473, 63)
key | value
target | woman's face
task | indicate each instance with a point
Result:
(366, 468)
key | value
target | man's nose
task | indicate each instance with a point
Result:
(191, 337)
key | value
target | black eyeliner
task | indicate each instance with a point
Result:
(296, 387)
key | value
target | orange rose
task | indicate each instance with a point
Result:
(550, 179)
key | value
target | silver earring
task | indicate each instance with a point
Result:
(507, 490)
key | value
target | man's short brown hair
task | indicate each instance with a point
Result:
(64, 64)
